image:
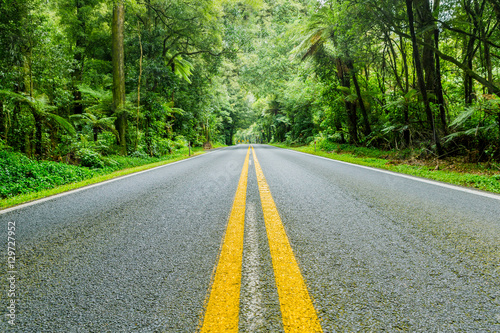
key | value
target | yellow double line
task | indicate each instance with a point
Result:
(297, 311)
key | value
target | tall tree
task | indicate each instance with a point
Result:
(119, 74)
(420, 75)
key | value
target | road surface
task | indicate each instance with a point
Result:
(306, 241)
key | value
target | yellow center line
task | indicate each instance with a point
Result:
(297, 310)
(223, 305)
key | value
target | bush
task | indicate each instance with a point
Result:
(89, 158)
(180, 142)
(162, 147)
(20, 175)
(139, 154)
(324, 143)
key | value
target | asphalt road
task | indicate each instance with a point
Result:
(378, 252)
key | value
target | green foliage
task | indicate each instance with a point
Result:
(89, 158)
(19, 174)
(383, 160)
(260, 71)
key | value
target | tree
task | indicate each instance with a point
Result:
(119, 74)
(420, 76)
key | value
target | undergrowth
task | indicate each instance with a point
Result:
(21, 175)
(483, 176)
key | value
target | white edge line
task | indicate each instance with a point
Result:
(402, 175)
(55, 196)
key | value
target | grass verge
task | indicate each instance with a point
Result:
(479, 177)
(104, 175)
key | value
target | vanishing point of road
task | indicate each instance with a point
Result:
(255, 239)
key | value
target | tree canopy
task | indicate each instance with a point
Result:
(139, 76)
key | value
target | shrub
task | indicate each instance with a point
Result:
(180, 142)
(139, 154)
(89, 158)
(19, 174)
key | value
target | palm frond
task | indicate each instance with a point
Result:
(183, 69)
(63, 123)
(463, 117)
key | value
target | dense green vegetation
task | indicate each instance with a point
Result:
(480, 176)
(83, 81)
(23, 179)
(59, 97)
(21, 175)
(390, 74)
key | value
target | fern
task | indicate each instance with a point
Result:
(39, 105)
(463, 117)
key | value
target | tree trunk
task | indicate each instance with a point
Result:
(38, 136)
(147, 135)
(366, 121)
(79, 58)
(439, 86)
(3, 124)
(15, 138)
(489, 67)
(406, 115)
(404, 55)
(352, 118)
(420, 76)
(138, 89)
(406, 130)
(352, 122)
(472, 11)
(430, 59)
(338, 127)
(468, 82)
(394, 66)
(119, 74)
(486, 49)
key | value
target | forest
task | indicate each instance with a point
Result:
(82, 81)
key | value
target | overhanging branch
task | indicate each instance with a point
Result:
(171, 61)
(469, 71)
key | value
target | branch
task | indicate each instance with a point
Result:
(469, 34)
(470, 72)
(194, 53)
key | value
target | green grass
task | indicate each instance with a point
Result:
(24, 180)
(487, 182)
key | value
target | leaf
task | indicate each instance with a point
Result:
(345, 90)
(452, 136)
(410, 94)
(182, 67)
(66, 125)
(463, 117)
(388, 129)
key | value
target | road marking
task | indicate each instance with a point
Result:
(415, 178)
(297, 310)
(222, 310)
